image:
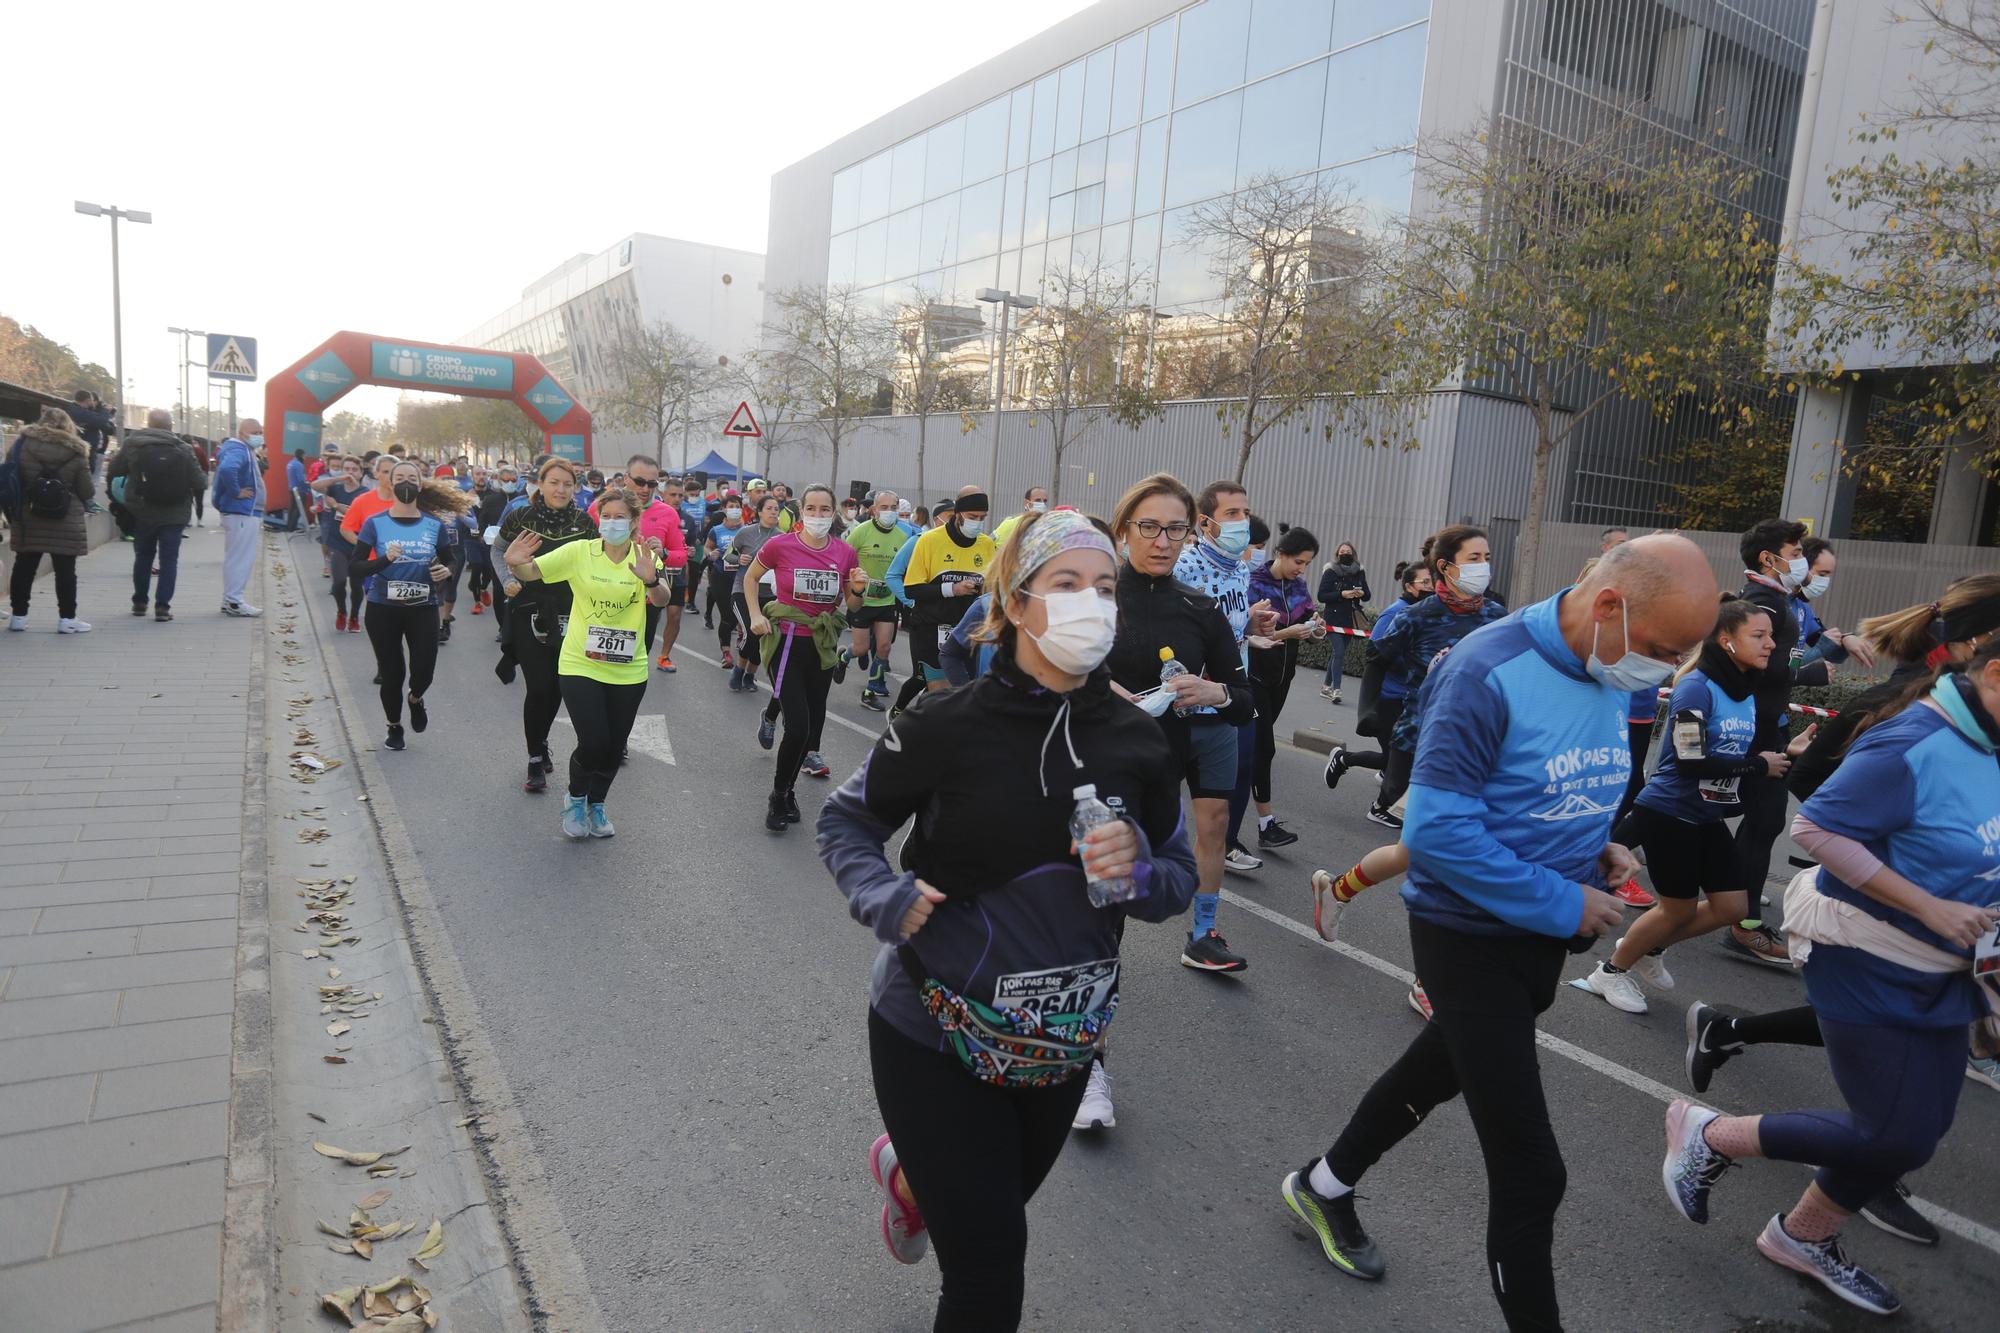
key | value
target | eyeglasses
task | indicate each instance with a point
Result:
(1151, 531)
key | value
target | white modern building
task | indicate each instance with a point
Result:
(573, 318)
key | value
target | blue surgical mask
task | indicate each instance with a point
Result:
(615, 531)
(1233, 538)
(1630, 673)
(972, 527)
(1816, 587)
(255, 442)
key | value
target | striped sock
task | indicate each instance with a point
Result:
(1348, 885)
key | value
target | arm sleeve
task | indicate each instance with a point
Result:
(364, 541)
(898, 572)
(1225, 667)
(1811, 769)
(1845, 857)
(860, 817)
(1444, 834)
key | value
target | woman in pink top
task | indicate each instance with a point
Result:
(816, 575)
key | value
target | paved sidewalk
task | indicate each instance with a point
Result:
(122, 837)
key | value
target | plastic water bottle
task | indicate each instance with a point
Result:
(1169, 668)
(1092, 813)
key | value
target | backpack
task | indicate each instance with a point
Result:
(157, 478)
(46, 496)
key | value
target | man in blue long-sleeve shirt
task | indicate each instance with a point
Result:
(1520, 766)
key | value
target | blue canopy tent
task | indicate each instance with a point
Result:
(717, 467)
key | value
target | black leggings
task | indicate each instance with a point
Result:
(1395, 776)
(752, 645)
(538, 658)
(719, 597)
(1387, 711)
(799, 686)
(390, 628)
(1765, 801)
(348, 587)
(23, 582)
(478, 577)
(1270, 703)
(924, 652)
(1485, 993)
(602, 715)
(974, 1154)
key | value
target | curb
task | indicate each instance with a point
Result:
(551, 1273)
(1314, 741)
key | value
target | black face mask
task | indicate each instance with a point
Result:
(1345, 558)
(406, 491)
(1415, 595)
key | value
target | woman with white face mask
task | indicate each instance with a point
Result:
(993, 921)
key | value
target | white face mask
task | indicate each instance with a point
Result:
(972, 527)
(1080, 631)
(1816, 586)
(1472, 580)
(1037, 506)
(1632, 672)
(817, 526)
(1795, 574)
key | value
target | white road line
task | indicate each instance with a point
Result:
(831, 716)
(1976, 1232)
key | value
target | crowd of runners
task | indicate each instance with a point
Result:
(1121, 677)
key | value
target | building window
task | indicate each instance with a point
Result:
(846, 204)
(1373, 93)
(906, 175)
(1281, 124)
(944, 158)
(1284, 32)
(1160, 69)
(1201, 159)
(1358, 20)
(1128, 83)
(986, 142)
(1214, 36)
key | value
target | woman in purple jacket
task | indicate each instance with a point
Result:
(997, 976)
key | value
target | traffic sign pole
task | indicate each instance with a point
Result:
(743, 425)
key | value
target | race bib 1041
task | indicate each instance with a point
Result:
(815, 585)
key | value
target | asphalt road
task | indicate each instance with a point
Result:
(680, 1013)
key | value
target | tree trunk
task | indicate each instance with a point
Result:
(923, 425)
(1528, 546)
(833, 473)
(1249, 442)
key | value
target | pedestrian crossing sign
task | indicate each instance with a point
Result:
(231, 357)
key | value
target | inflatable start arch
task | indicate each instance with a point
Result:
(297, 397)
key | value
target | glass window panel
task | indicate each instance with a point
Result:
(1372, 96)
(840, 260)
(1145, 258)
(875, 187)
(1097, 95)
(1114, 250)
(986, 141)
(944, 157)
(1083, 252)
(871, 254)
(1069, 106)
(1128, 84)
(1062, 213)
(1380, 186)
(1201, 161)
(1152, 166)
(1160, 69)
(1121, 160)
(1284, 32)
(1042, 139)
(1062, 172)
(1020, 113)
(1058, 261)
(1214, 35)
(1010, 211)
(1010, 272)
(1035, 220)
(1089, 206)
(1029, 283)
(1355, 20)
(940, 243)
(973, 276)
(906, 236)
(1186, 262)
(1090, 163)
(979, 218)
(846, 199)
(1281, 124)
(906, 175)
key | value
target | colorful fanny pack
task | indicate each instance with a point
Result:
(1010, 1048)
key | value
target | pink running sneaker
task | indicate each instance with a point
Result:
(902, 1225)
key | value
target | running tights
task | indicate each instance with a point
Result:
(1246, 755)
(348, 587)
(1270, 702)
(537, 647)
(752, 645)
(392, 629)
(720, 598)
(602, 715)
(1901, 1086)
(1485, 993)
(925, 651)
(1396, 768)
(799, 685)
(1765, 802)
(1387, 711)
(974, 1154)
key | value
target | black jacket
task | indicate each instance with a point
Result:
(1774, 684)
(1823, 756)
(163, 458)
(1163, 612)
(1336, 580)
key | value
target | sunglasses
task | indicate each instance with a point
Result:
(647, 485)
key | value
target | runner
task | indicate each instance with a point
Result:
(479, 578)
(715, 539)
(1034, 500)
(813, 568)
(944, 564)
(407, 553)
(1887, 967)
(1509, 853)
(661, 524)
(538, 613)
(612, 579)
(990, 928)
(1680, 812)
(1343, 594)
(742, 552)
(717, 596)
(1383, 691)
(694, 512)
(493, 500)
(877, 542)
(1281, 584)
(341, 490)
(1211, 698)
(364, 507)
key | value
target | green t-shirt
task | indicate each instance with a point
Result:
(607, 614)
(876, 550)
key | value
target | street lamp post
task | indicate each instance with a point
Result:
(1008, 302)
(117, 310)
(187, 410)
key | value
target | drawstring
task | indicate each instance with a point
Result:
(1042, 767)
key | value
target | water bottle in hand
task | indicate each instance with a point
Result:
(1092, 813)
(1169, 668)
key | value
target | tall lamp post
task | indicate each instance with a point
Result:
(1008, 303)
(187, 410)
(117, 309)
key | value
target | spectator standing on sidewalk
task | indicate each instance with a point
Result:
(96, 424)
(300, 505)
(238, 496)
(55, 487)
(162, 480)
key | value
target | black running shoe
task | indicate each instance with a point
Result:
(1275, 834)
(1705, 1054)
(792, 815)
(1339, 1230)
(1378, 815)
(1336, 766)
(774, 814)
(767, 733)
(1892, 1211)
(873, 702)
(1211, 953)
(444, 631)
(395, 741)
(419, 716)
(538, 778)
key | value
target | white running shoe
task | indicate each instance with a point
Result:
(1240, 861)
(1326, 907)
(72, 626)
(1617, 988)
(1651, 969)
(1094, 1111)
(903, 1228)
(17, 623)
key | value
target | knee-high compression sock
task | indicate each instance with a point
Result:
(1350, 884)
(1204, 913)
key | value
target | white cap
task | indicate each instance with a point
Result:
(1085, 792)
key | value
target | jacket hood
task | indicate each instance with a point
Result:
(61, 438)
(151, 435)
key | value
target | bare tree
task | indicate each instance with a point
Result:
(1068, 359)
(765, 380)
(832, 349)
(658, 375)
(932, 373)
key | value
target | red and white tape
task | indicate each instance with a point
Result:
(1806, 709)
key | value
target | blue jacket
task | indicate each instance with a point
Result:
(236, 470)
(1412, 646)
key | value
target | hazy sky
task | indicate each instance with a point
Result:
(407, 168)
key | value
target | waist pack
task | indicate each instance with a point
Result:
(1010, 1048)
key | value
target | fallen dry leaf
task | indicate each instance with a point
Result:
(365, 1249)
(334, 1059)
(339, 1029)
(341, 1303)
(309, 953)
(357, 1158)
(375, 1200)
(433, 1244)
(330, 1229)
(316, 1116)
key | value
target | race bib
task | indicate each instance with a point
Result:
(402, 591)
(815, 585)
(944, 633)
(877, 591)
(1719, 791)
(1077, 989)
(618, 647)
